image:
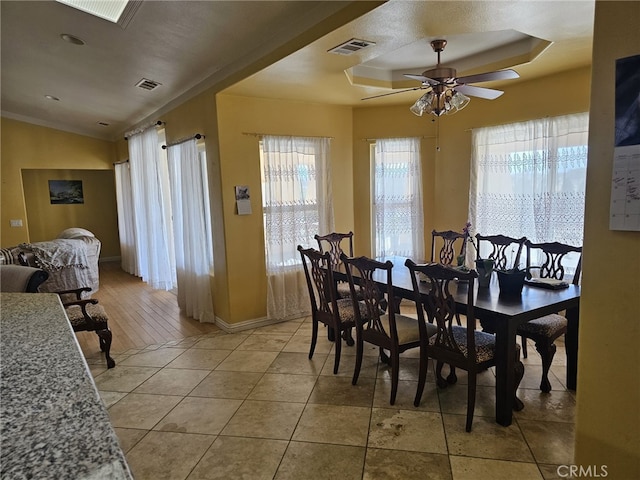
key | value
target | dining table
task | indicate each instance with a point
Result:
(502, 314)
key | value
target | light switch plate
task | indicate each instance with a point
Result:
(16, 223)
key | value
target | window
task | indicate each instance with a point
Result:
(164, 218)
(294, 196)
(296, 200)
(192, 232)
(397, 199)
(528, 179)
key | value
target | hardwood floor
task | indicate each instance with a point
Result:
(138, 315)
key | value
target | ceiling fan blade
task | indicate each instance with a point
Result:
(400, 91)
(422, 78)
(489, 76)
(480, 92)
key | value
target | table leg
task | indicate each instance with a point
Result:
(505, 372)
(571, 344)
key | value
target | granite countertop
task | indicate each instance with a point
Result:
(53, 421)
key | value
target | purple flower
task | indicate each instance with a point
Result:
(467, 232)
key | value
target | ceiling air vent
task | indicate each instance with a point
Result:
(103, 124)
(351, 46)
(148, 84)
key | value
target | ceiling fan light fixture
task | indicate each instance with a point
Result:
(447, 102)
(422, 105)
(458, 101)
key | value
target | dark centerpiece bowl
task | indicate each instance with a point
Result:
(511, 281)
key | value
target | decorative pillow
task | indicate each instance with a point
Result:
(75, 233)
(6, 256)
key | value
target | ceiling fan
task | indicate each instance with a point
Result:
(447, 93)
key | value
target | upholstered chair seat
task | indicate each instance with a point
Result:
(485, 343)
(407, 328)
(78, 320)
(547, 326)
(86, 315)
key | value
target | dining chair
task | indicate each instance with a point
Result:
(459, 346)
(336, 313)
(504, 251)
(545, 330)
(86, 315)
(447, 251)
(382, 324)
(337, 244)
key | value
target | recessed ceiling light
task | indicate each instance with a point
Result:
(71, 39)
(51, 97)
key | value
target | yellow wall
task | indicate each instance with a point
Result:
(27, 146)
(97, 214)
(608, 395)
(198, 115)
(446, 172)
(240, 165)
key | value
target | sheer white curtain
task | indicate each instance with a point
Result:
(125, 219)
(191, 228)
(296, 196)
(152, 206)
(397, 203)
(528, 179)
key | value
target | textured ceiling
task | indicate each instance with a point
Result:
(312, 74)
(180, 44)
(188, 46)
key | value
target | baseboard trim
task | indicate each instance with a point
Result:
(249, 324)
(109, 259)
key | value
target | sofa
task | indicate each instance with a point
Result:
(71, 260)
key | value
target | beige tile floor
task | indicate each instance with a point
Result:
(252, 405)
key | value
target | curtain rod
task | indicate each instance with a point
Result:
(142, 129)
(525, 121)
(390, 138)
(252, 134)
(120, 163)
(197, 136)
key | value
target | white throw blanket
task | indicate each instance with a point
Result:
(70, 263)
(59, 254)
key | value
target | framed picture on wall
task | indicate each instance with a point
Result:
(65, 192)
(243, 200)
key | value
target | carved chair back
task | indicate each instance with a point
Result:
(505, 251)
(360, 273)
(554, 260)
(441, 311)
(320, 284)
(449, 240)
(335, 244)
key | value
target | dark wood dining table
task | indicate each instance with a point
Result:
(504, 314)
